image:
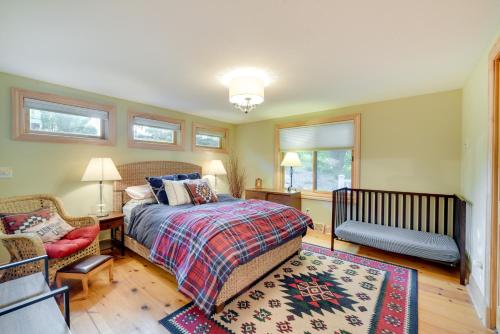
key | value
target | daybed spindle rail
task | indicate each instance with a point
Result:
(434, 213)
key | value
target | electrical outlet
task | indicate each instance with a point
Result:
(6, 172)
(308, 212)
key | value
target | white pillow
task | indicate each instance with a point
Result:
(141, 201)
(139, 192)
(176, 192)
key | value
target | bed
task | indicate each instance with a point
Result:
(242, 277)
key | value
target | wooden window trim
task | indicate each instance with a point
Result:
(133, 143)
(224, 144)
(356, 151)
(493, 196)
(19, 119)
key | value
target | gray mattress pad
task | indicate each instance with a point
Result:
(425, 245)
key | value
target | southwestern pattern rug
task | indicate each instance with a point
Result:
(318, 291)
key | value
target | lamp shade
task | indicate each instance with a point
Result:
(246, 89)
(101, 169)
(216, 167)
(291, 159)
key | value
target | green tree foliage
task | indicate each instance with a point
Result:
(154, 134)
(55, 122)
(329, 165)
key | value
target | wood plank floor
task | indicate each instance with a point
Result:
(142, 294)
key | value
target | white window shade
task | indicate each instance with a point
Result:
(315, 137)
(156, 124)
(213, 133)
(64, 108)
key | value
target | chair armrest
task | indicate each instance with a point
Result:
(81, 221)
(23, 246)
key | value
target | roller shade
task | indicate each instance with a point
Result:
(315, 137)
(156, 124)
(207, 132)
(64, 108)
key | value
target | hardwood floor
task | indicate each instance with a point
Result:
(142, 294)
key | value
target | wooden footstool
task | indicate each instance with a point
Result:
(85, 269)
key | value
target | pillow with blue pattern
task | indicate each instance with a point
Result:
(158, 188)
(191, 176)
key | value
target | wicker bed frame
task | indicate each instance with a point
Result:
(242, 277)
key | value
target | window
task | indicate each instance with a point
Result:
(46, 117)
(328, 151)
(334, 169)
(155, 132)
(302, 176)
(208, 138)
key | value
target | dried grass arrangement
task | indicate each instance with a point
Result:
(236, 175)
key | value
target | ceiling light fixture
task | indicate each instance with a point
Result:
(246, 87)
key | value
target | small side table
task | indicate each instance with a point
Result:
(112, 222)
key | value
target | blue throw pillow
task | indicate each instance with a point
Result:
(192, 176)
(157, 187)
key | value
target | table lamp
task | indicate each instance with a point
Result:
(99, 170)
(291, 160)
(216, 167)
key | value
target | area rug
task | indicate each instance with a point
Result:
(318, 291)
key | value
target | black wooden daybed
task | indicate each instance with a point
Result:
(429, 226)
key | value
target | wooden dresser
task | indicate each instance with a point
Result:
(277, 196)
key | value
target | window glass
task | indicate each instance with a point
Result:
(52, 122)
(302, 176)
(206, 140)
(153, 134)
(333, 169)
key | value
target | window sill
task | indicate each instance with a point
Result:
(208, 149)
(62, 139)
(155, 145)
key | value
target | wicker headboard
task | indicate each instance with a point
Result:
(133, 174)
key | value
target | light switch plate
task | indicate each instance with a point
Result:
(6, 172)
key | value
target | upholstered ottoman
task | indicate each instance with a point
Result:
(85, 269)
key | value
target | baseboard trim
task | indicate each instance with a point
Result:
(478, 299)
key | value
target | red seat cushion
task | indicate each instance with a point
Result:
(72, 242)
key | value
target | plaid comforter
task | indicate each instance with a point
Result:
(202, 245)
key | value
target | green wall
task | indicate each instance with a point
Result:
(475, 180)
(410, 144)
(57, 168)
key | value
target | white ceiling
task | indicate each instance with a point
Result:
(323, 53)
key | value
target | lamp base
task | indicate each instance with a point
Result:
(101, 210)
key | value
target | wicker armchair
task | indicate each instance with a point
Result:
(28, 245)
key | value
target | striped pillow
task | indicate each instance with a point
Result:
(15, 223)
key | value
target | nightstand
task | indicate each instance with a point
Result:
(277, 196)
(112, 222)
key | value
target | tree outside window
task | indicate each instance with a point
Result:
(322, 170)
